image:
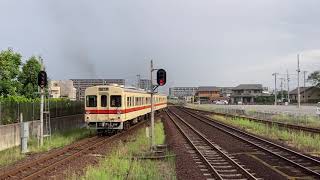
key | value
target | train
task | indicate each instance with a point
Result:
(112, 108)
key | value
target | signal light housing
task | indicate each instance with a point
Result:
(161, 77)
(42, 79)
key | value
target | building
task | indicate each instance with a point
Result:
(145, 84)
(208, 94)
(54, 89)
(246, 93)
(62, 89)
(182, 92)
(307, 94)
(82, 84)
(226, 92)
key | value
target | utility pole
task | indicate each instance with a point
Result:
(304, 86)
(281, 86)
(152, 107)
(288, 80)
(275, 88)
(138, 81)
(298, 70)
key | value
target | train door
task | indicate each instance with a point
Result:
(103, 106)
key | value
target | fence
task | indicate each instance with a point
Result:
(287, 117)
(9, 111)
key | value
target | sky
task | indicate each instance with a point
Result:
(198, 42)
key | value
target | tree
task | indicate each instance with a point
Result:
(29, 77)
(315, 78)
(10, 62)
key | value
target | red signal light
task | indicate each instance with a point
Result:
(161, 77)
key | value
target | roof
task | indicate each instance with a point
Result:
(302, 89)
(209, 88)
(249, 86)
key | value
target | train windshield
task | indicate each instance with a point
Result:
(91, 101)
(115, 101)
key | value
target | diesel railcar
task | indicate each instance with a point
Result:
(112, 107)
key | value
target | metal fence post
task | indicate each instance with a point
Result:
(0, 114)
(18, 106)
(56, 109)
(24, 134)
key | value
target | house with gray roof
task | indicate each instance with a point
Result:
(246, 93)
(307, 94)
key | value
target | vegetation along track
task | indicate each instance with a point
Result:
(34, 169)
(309, 165)
(220, 164)
(269, 122)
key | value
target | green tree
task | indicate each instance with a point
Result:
(29, 77)
(10, 62)
(315, 78)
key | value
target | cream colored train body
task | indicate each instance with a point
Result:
(114, 108)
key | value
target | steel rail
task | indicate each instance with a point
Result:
(227, 129)
(269, 122)
(245, 173)
(19, 169)
(35, 175)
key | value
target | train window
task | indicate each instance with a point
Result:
(128, 101)
(103, 101)
(115, 101)
(91, 101)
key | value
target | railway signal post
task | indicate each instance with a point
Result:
(161, 80)
(42, 83)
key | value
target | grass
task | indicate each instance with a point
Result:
(302, 120)
(306, 142)
(122, 164)
(57, 140)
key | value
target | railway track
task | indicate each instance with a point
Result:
(268, 122)
(309, 165)
(38, 167)
(219, 163)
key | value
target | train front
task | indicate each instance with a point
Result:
(103, 107)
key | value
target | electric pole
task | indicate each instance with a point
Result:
(275, 88)
(138, 81)
(304, 86)
(281, 86)
(152, 107)
(288, 80)
(298, 70)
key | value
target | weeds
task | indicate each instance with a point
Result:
(57, 140)
(122, 164)
(303, 141)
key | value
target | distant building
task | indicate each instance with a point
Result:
(54, 89)
(246, 93)
(145, 84)
(182, 92)
(307, 94)
(62, 89)
(82, 84)
(208, 94)
(225, 92)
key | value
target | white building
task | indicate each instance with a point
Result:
(182, 92)
(62, 89)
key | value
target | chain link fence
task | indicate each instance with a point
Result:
(9, 111)
(286, 117)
